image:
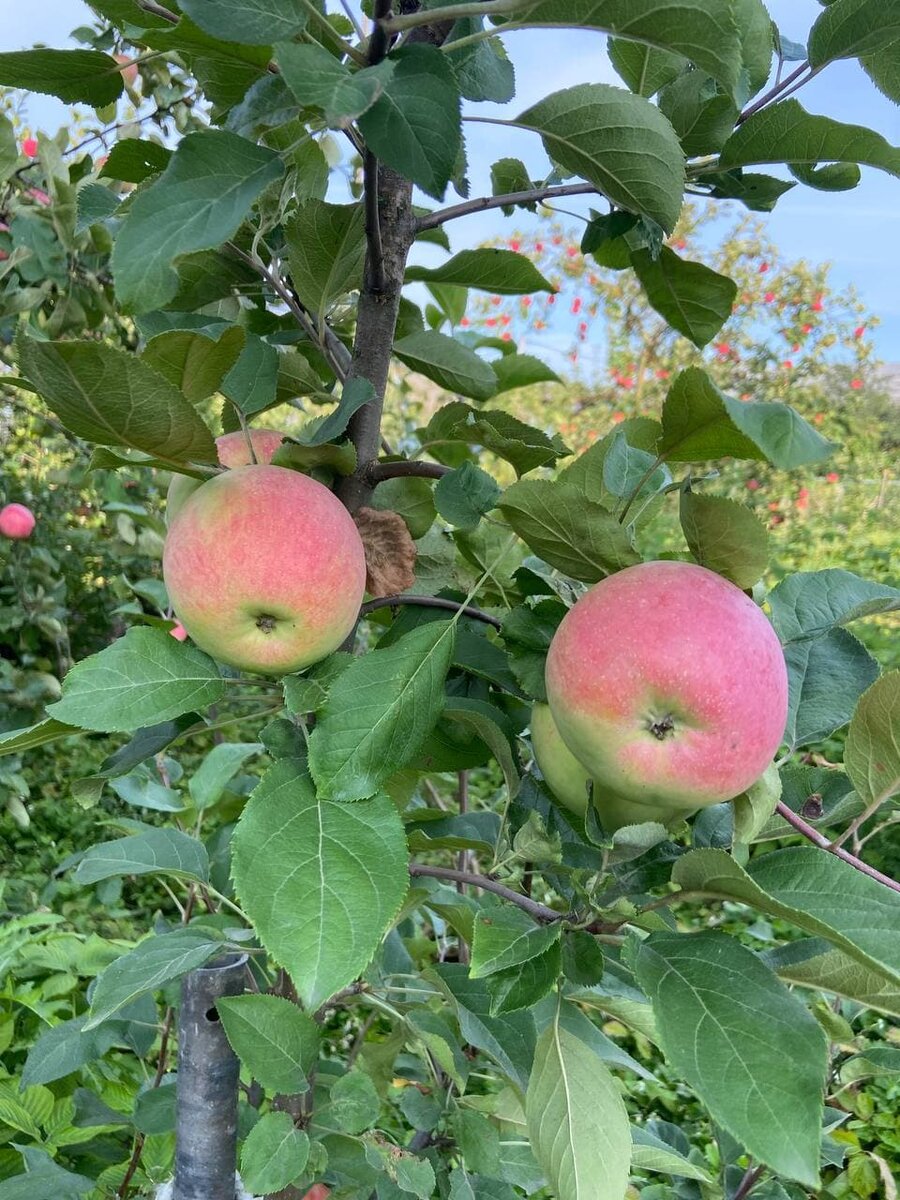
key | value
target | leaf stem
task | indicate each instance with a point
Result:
(540, 912)
(466, 610)
(452, 12)
(775, 93)
(818, 839)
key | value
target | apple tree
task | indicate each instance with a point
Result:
(456, 958)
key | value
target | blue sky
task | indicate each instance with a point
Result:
(859, 232)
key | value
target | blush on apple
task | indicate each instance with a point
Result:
(265, 569)
(669, 685)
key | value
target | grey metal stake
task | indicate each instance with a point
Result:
(206, 1122)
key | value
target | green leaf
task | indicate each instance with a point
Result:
(650, 1153)
(59, 1051)
(93, 204)
(276, 1042)
(319, 80)
(43, 1179)
(321, 881)
(14, 741)
(700, 422)
(197, 203)
(691, 297)
(813, 963)
(874, 1062)
(813, 890)
(506, 937)
(9, 149)
(355, 393)
(577, 1123)
(415, 125)
(218, 768)
(521, 370)
(195, 362)
(752, 1051)
(252, 382)
(872, 749)
(527, 984)
(502, 272)
(254, 22)
(810, 603)
(644, 68)
(703, 117)
(786, 133)
(575, 535)
(353, 1103)
(153, 962)
(379, 712)
(483, 71)
(725, 536)
(850, 28)
(447, 363)
(833, 177)
(154, 852)
(883, 68)
(75, 76)
(759, 193)
(510, 175)
(619, 142)
(702, 30)
(627, 471)
(826, 677)
(521, 445)
(412, 498)
(135, 159)
(326, 249)
(142, 679)
(509, 1038)
(274, 1153)
(114, 399)
(462, 497)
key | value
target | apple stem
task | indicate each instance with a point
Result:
(823, 843)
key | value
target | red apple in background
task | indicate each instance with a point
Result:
(233, 451)
(29, 147)
(669, 685)
(129, 69)
(265, 569)
(16, 521)
(178, 632)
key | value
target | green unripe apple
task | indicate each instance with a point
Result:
(566, 777)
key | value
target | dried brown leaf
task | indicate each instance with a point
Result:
(390, 551)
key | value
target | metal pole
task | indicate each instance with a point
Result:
(206, 1123)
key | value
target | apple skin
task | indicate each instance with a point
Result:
(669, 685)
(565, 776)
(16, 521)
(178, 632)
(265, 569)
(233, 452)
(571, 784)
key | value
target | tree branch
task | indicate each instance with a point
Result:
(429, 602)
(381, 471)
(451, 13)
(439, 216)
(540, 912)
(823, 843)
(773, 93)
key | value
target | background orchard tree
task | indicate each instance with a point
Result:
(458, 984)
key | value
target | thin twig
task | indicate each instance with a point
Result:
(540, 912)
(467, 610)
(869, 811)
(773, 93)
(529, 196)
(379, 471)
(749, 1181)
(823, 843)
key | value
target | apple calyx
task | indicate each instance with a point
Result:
(662, 727)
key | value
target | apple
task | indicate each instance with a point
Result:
(565, 776)
(30, 147)
(178, 632)
(265, 569)
(16, 521)
(129, 69)
(669, 685)
(233, 451)
(571, 784)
